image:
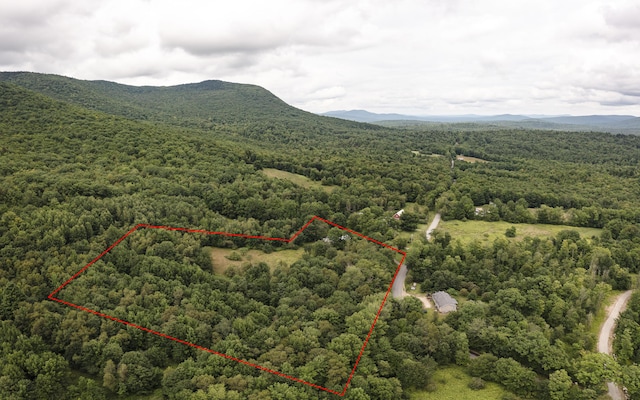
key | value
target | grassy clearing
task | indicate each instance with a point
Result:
(420, 230)
(470, 159)
(220, 257)
(416, 234)
(451, 384)
(487, 232)
(299, 180)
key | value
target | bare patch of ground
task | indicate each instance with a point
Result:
(470, 159)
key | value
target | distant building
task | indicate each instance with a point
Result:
(398, 214)
(444, 302)
(343, 237)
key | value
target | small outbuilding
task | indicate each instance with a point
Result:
(444, 302)
(398, 214)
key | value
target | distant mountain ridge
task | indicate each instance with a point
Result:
(213, 102)
(193, 104)
(609, 123)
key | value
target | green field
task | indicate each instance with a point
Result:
(220, 257)
(451, 384)
(299, 180)
(487, 232)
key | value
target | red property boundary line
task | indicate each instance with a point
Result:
(291, 239)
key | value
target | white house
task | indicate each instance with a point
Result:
(398, 214)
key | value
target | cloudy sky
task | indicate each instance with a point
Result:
(421, 57)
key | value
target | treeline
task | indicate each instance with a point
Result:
(72, 181)
(528, 306)
(626, 345)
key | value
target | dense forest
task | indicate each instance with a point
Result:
(84, 162)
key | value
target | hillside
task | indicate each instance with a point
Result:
(78, 172)
(200, 105)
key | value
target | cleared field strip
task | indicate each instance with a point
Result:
(487, 232)
(299, 180)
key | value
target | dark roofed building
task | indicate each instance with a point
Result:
(444, 302)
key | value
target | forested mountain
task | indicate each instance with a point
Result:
(84, 162)
(200, 105)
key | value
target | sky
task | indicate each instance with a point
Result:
(418, 57)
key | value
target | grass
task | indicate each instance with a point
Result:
(299, 180)
(487, 232)
(416, 234)
(451, 384)
(420, 230)
(220, 261)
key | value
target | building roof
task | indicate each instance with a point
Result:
(443, 299)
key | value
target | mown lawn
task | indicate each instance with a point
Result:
(451, 384)
(487, 232)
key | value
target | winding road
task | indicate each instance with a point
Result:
(605, 340)
(397, 290)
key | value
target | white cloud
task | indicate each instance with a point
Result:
(411, 56)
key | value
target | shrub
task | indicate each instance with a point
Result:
(476, 384)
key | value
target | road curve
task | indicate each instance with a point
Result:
(397, 290)
(605, 340)
(433, 226)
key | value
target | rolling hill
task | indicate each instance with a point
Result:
(84, 162)
(199, 105)
(626, 124)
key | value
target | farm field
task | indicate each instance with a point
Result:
(487, 232)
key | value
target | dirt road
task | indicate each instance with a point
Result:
(433, 226)
(605, 340)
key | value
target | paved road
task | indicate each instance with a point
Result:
(605, 342)
(433, 226)
(397, 290)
